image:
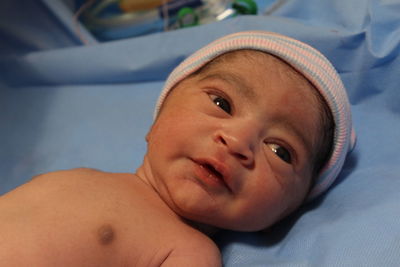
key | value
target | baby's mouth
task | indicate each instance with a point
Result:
(213, 172)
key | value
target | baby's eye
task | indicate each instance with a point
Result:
(281, 152)
(222, 103)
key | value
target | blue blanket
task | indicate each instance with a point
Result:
(64, 104)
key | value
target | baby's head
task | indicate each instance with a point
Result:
(246, 129)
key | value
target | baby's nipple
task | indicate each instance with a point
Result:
(105, 234)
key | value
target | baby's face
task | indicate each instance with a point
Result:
(233, 145)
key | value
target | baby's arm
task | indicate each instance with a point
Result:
(194, 254)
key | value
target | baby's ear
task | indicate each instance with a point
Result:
(148, 135)
(154, 125)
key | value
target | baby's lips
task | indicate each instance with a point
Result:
(225, 173)
(221, 168)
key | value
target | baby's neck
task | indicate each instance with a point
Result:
(144, 173)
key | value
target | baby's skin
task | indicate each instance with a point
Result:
(232, 148)
(85, 217)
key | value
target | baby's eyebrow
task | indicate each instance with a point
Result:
(236, 82)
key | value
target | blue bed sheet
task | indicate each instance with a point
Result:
(64, 104)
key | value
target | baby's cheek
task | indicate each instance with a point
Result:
(278, 170)
(289, 184)
(295, 188)
(264, 208)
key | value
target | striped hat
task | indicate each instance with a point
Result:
(306, 60)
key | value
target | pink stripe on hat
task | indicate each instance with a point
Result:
(305, 59)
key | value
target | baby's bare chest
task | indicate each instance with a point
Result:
(92, 224)
(106, 242)
(138, 230)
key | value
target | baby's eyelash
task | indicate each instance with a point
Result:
(281, 152)
(221, 102)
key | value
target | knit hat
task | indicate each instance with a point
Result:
(307, 61)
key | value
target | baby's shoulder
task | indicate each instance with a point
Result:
(83, 182)
(71, 177)
(81, 194)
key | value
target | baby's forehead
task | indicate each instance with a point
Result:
(226, 66)
(259, 60)
(267, 64)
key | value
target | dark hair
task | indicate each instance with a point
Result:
(325, 142)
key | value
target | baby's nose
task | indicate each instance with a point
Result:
(240, 142)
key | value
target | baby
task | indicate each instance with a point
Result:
(246, 130)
